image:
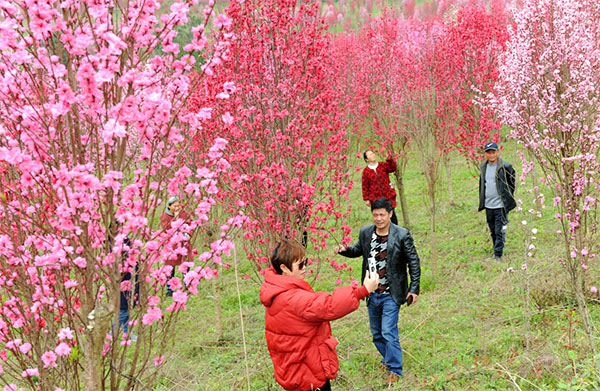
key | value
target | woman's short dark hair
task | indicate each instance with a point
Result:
(286, 253)
(365, 154)
(382, 203)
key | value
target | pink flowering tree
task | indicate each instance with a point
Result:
(547, 92)
(92, 141)
(274, 101)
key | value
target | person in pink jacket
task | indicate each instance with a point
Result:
(297, 319)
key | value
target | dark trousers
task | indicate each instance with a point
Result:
(497, 220)
(394, 218)
(324, 387)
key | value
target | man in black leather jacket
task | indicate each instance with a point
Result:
(393, 252)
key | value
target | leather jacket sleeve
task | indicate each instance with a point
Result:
(414, 267)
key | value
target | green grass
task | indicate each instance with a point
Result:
(471, 329)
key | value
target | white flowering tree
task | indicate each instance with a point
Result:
(547, 93)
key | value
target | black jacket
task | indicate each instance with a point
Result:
(401, 256)
(505, 183)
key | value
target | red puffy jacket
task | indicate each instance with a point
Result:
(298, 331)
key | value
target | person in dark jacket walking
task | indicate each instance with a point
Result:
(376, 181)
(297, 319)
(496, 195)
(392, 250)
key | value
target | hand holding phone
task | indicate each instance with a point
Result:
(371, 281)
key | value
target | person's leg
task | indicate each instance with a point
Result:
(490, 217)
(169, 290)
(389, 330)
(394, 218)
(325, 387)
(375, 313)
(124, 320)
(500, 231)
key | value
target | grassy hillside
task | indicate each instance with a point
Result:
(479, 325)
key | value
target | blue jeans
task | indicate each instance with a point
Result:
(383, 317)
(124, 320)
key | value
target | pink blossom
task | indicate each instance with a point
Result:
(71, 284)
(593, 289)
(62, 349)
(158, 360)
(524, 266)
(153, 314)
(81, 262)
(26, 347)
(227, 118)
(180, 297)
(222, 20)
(30, 372)
(65, 333)
(49, 359)
(152, 246)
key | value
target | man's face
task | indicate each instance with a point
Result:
(381, 218)
(492, 156)
(371, 157)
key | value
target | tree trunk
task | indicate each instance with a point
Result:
(216, 290)
(434, 249)
(449, 177)
(400, 166)
(99, 323)
(577, 285)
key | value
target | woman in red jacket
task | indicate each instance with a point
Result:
(297, 320)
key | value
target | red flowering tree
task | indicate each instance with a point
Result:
(287, 149)
(474, 42)
(376, 89)
(429, 107)
(547, 92)
(92, 140)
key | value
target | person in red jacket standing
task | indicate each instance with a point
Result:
(376, 181)
(297, 319)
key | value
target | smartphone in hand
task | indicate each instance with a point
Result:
(409, 300)
(372, 267)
